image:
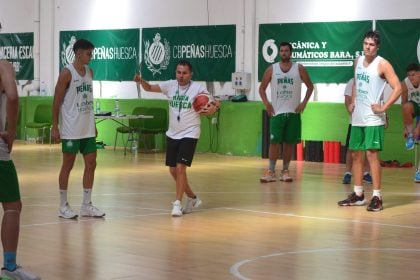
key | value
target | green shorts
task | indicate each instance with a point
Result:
(364, 138)
(285, 128)
(85, 145)
(416, 108)
(9, 185)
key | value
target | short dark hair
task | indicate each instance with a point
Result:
(185, 62)
(412, 67)
(83, 44)
(282, 44)
(373, 34)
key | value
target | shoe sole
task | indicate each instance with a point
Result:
(353, 204)
(375, 210)
(97, 216)
(287, 180)
(184, 211)
(266, 181)
(61, 216)
(176, 215)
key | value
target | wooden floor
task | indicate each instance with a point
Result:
(244, 230)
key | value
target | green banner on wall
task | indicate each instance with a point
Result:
(116, 53)
(326, 49)
(210, 49)
(17, 48)
(400, 43)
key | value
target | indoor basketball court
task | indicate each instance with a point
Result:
(244, 229)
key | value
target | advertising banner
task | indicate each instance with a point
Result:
(400, 43)
(116, 53)
(210, 50)
(326, 49)
(17, 48)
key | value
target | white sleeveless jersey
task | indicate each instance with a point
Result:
(285, 89)
(369, 88)
(413, 92)
(77, 118)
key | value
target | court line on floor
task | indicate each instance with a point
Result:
(322, 218)
(234, 269)
(219, 192)
(233, 209)
(92, 219)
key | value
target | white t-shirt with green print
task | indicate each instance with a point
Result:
(184, 121)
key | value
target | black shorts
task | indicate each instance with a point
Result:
(348, 136)
(180, 151)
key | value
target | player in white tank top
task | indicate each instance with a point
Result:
(73, 98)
(9, 185)
(285, 79)
(410, 99)
(77, 117)
(371, 72)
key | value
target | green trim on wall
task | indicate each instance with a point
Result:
(239, 126)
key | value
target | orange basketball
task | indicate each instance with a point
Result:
(200, 101)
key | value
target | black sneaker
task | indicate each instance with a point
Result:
(353, 200)
(375, 204)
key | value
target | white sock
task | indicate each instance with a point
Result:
(87, 196)
(347, 172)
(63, 197)
(358, 190)
(409, 129)
(377, 193)
(366, 173)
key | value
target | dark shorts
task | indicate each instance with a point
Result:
(285, 128)
(85, 145)
(9, 186)
(180, 151)
(348, 136)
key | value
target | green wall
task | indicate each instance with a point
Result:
(238, 129)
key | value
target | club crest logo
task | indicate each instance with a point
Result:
(269, 51)
(157, 54)
(67, 54)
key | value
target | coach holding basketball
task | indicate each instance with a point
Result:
(285, 78)
(184, 129)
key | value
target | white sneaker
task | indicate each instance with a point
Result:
(191, 204)
(20, 274)
(66, 212)
(285, 176)
(176, 209)
(88, 210)
(268, 176)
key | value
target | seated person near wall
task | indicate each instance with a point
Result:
(410, 99)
